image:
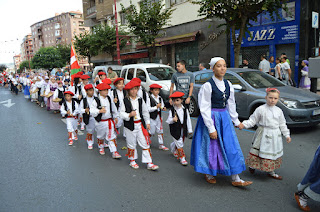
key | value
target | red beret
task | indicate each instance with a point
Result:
(107, 81)
(101, 73)
(137, 79)
(89, 86)
(68, 92)
(103, 86)
(59, 82)
(117, 80)
(85, 77)
(76, 76)
(155, 86)
(131, 84)
(177, 94)
(79, 73)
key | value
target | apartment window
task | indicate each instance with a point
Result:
(123, 19)
(100, 1)
(81, 23)
(173, 2)
(57, 25)
(74, 23)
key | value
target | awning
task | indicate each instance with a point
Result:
(188, 37)
(133, 55)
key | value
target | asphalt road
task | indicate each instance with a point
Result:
(40, 172)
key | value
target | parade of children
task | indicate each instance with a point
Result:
(133, 120)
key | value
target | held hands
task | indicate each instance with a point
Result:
(132, 114)
(158, 105)
(79, 97)
(148, 127)
(87, 110)
(116, 120)
(175, 119)
(213, 135)
(288, 140)
(240, 126)
(115, 100)
(68, 113)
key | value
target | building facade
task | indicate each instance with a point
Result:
(187, 37)
(60, 29)
(290, 33)
(26, 49)
(16, 61)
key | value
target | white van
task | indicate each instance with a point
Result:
(104, 68)
(150, 73)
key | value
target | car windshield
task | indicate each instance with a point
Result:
(258, 79)
(160, 73)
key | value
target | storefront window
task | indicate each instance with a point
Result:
(188, 52)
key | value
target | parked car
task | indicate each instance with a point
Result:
(104, 68)
(150, 73)
(301, 108)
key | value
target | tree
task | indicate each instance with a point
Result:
(48, 58)
(84, 46)
(103, 39)
(64, 51)
(25, 65)
(147, 22)
(3, 67)
(237, 14)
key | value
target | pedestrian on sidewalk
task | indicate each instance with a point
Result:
(155, 108)
(309, 188)
(305, 81)
(136, 118)
(106, 115)
(69, 110)
(264, 64)
(267, 148)
(215, 146)
(180, 126)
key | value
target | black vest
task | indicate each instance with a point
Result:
(128, 106)
(115, 95)
(61, 95)
(98, 117)
(175, 128)
(218, 98)
(153, 103)
(86, 116)
(73, 106)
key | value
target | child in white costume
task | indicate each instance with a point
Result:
(135, 115)
(267, 148)
(106, 115)
(69, 110)
(155, 107)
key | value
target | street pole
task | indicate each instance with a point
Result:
(117, 32)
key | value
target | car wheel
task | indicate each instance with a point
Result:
(193, 108)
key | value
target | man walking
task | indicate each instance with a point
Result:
(183, 80)
(264, 65)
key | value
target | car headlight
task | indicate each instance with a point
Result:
(290, 103)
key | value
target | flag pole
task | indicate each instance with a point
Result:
(117, 32)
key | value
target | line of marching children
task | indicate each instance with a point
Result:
(104, 111)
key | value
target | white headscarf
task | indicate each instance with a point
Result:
(214, 60)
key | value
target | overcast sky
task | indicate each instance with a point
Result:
(16, 17)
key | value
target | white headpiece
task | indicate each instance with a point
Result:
(214, 60)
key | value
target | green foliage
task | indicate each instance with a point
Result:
(64, 51)
(48, 58)
(83, 45)
(25, 64)
(3, 67)
(147, 22)
(237, 14)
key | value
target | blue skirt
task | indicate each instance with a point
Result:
(222, 156)
(311, 182)
(26, 91)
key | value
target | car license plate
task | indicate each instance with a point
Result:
(316, 112)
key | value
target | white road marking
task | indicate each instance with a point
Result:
(79, 131)
(8, 103)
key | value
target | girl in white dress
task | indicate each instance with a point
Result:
(267, 148)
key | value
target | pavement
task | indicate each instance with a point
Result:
(40, 172)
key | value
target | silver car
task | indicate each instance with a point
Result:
(301, 108)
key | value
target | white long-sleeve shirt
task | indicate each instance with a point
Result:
(140, 94)
(56, 92)
(79, 91)
(180, 115)
(90, 101)
(64, 110)
(94, 110)
(268, 116)
(135, 106)
(157, 100)
(120, 96)
(204, 99)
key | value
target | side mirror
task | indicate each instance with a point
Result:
(239, 87)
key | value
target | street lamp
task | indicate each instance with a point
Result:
(117, 32)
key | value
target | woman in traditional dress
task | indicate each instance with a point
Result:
(215, 147)
(51, 87)
(305, 81)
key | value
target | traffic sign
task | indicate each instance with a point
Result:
(315, 20)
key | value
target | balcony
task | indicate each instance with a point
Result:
(91, 12)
